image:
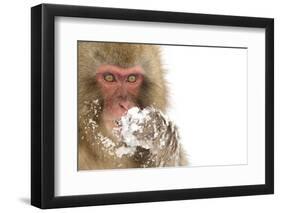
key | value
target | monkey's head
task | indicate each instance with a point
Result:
(120, 76)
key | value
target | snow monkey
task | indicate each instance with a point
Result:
(122, 101)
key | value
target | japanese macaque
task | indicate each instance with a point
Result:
(122, 101)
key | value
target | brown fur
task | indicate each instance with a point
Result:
(92, 154)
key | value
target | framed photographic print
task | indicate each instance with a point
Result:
(139, 106)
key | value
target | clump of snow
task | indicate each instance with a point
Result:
(142, 128)
(132, 123)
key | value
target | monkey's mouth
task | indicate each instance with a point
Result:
(116, 111)
(121, 109)
(124, 107)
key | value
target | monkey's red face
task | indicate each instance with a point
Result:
(120, 89)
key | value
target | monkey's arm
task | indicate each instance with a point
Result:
(166, 149)
(156, 139)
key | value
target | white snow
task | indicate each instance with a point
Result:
(139, 128)
(125, 151)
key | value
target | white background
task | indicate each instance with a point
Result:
(15, 106)
(206, 103)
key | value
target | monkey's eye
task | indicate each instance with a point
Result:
(109, 77)
(132, 78)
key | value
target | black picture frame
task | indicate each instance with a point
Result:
(43, 102)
